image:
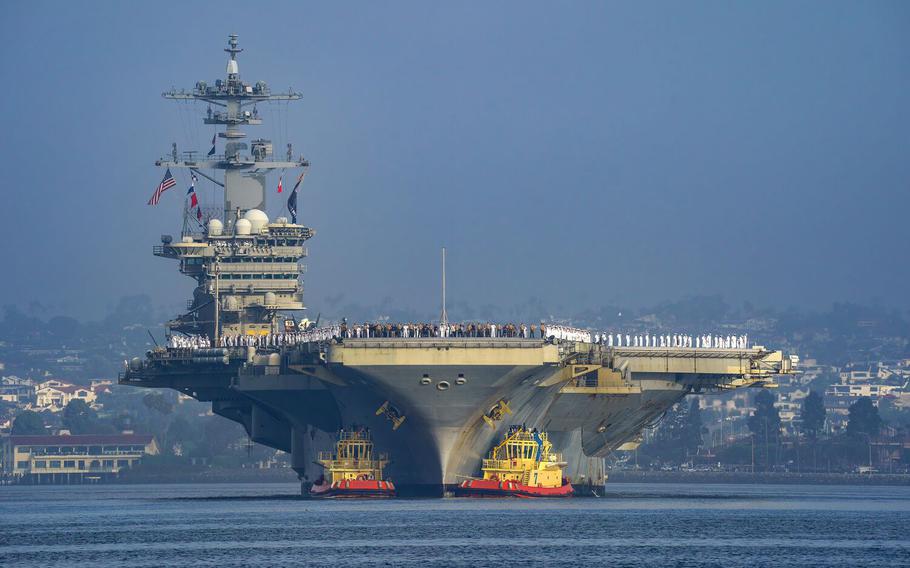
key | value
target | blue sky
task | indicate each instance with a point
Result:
(581, 153)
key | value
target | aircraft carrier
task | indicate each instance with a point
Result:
(435, 404)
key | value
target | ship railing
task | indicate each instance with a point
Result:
(498, 464)
(354, 435)
(170, 250)
(328, 460)
(490, 463)
(193, 156)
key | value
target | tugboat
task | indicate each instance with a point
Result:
(522, 465)
(351, 470)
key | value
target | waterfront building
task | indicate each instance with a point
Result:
(17, 390)
(858, 375)
(73, 459)
(873, 391)
(54, 395)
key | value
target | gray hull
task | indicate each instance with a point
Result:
(591, 399)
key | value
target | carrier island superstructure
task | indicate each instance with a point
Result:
(436, 405)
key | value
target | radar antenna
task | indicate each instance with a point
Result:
(245, 165)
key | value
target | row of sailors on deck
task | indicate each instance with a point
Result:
(380, 330)
(387, 330)
(279, 339)
(706, 341)
(267, 340)
(413, 330)
(189, 342)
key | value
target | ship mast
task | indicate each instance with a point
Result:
(246, 266)
(244, 172)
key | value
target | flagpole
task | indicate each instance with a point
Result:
(186, 219)
(443, 318)
(217, 337)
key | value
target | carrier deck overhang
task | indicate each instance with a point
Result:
(436, 405)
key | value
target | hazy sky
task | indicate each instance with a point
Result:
(580, 153)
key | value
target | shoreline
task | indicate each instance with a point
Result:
(287, 475)
(759, 478)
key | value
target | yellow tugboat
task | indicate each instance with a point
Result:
(351, 470)
(522, 465)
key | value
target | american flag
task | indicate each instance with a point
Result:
(167, 183)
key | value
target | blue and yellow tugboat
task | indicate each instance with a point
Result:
(352, 470)
(522, 465)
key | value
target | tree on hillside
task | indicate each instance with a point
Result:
(666, 445)
(765, 421)
(864, 419)
(80, 418)
(679, 435)
(28, 423)
(182, 436)
(813, 414)
(694, 429)
(157, 402)
(8, 410)
(218, 434)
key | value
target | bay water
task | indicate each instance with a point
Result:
(629, 525)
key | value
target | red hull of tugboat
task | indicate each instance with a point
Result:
(355, 488)
(492, 488)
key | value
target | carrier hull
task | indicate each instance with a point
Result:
(430, 403)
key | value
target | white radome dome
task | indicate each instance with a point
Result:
(242, 227)
(230, 304)
(258, 220)
(216, 228)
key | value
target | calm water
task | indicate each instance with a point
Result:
(632, 525)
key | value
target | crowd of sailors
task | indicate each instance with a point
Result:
(706, 341)
(189, 342)
(264, 340)
(279, 339)
(415, 330)
(468, 330)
